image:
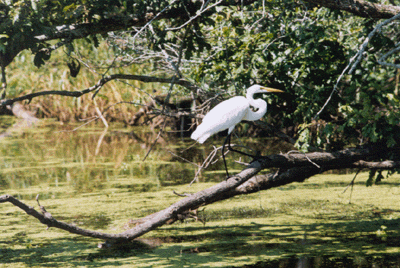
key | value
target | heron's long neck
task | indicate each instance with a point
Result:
(261, 107)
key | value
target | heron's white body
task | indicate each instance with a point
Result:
(230, 112)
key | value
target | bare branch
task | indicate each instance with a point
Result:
(378, 28)
(344, 159)
(203, 9)
(99, 84)
(382, 60)
(377, 165)
(151, 20)
(48, 220)
(77, 31)
(196, 200)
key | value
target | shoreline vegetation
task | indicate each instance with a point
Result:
(24, 78)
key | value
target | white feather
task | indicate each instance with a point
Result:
(230, 112)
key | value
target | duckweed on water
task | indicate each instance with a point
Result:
(302, 222)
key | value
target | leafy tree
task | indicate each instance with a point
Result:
(335, 61)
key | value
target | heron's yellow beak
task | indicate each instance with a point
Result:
(269, 89)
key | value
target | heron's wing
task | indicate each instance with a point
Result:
(226, 114)
(223, 116)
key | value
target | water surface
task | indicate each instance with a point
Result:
(99, 181)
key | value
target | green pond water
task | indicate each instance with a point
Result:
(98, 180)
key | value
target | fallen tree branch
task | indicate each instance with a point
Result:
(340, 159)
(243, 183)
(299, 174)
(377, 165)
(171, 213)
(48, 220)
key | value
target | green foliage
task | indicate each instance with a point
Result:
(283, 44)
(303, 141)
(304, 52)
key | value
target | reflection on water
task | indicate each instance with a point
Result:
(87, 158)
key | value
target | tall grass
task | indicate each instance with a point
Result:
(24, 78)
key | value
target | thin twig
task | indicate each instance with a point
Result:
(305, 155)
(182, 158)
(199, 12)
(149, 22)
(382, 60)
(205, 164)
(164, 108)
(75, 129)
(155, 140)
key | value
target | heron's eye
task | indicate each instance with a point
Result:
(254, 109)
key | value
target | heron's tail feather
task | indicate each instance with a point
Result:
(199, 136)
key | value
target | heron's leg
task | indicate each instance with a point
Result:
(223, 153)
(240, 152)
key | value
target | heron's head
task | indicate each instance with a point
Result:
(260, 89)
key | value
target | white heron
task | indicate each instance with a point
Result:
(229, 113)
